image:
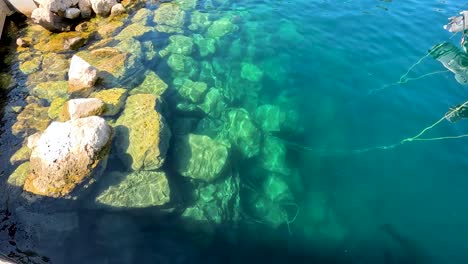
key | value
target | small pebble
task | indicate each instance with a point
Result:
(22, 43)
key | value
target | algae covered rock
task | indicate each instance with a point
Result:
(193, 91)
(136, 190)
(214, 103)
(114, 100)
(220, 28)
(187, 4)
(51, 90)
(199, 21)
(31, 119)
(133, 31)
(169, 18)
(182, 65)
(20, 155)
(206, 46)
(251, 72)
(200, 157)
(18, 177)
(56, 106)
(243, 133)
(66, 155)
(178, 44)
(82, 107)
(31, 65)
(216, 203)
(152, 84)
(142, 16)
(142, 136)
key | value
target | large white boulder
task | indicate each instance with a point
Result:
(58, 6)
(102, 7)
(66, 155)
(49, 20)
(82, 76)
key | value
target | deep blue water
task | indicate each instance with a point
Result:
(363, 196)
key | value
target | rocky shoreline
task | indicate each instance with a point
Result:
(94, 96)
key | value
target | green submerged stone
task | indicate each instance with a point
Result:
(152, 84)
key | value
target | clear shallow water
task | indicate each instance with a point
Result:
(401, 205)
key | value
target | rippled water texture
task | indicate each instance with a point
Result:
(299, 108)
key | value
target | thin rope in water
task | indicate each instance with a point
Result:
(383, 147)
(404, 78)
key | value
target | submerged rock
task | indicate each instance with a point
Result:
(243, 133)
(251, 72)
(178, 44)
(200, 21)
(200, 157)
(81, 76)
(220, 28)
(216, 203)
(32, 119)
(269, 117)
(214, 103)
(20, 155)
(55, 108)
(133, 31)
(136, 190)
(274, 156)
(182, 65)
(169, 18)
(114, 100)
(142, 136)
(193, 91)
(187, 4)
(82, 107)
(66, 155)
(51, 90)
(152, 84)
(206, 46)
(18, 177)
(142, 16)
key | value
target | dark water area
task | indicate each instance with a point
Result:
(348, 185)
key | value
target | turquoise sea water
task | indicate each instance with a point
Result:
(358, 195)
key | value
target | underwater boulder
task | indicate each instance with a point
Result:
(51, 90)
(142, 135)
(274, 156)
(142, 16)
(81, 107)
(214, 103)
(66, 155)
(18, 177)
(186, 4)
(31, 65)
(169, 18)
(178, 44)
(114, 100)
(33, 118)
(220, 28)
(269, 117)
(200, 157)
(21, 155)
(134, 30)
(152, 84)
(206, 46)
(243, 133)
(135, 189)
(215, 204)
(193, 91)
(251, 72)
(182, 65)
(199, 21)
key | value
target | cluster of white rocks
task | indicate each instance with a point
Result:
(60, 15)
